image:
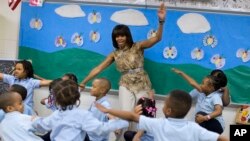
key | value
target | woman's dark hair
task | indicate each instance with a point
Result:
(20, 90)
(28, 68)
(71, 76)
(122, 30)
(148, 106)
(221, 77)
(66, 94)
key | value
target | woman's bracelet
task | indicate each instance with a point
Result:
(161, 22)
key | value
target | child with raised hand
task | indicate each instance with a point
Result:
(15, 126)
(69, 122)
(224, 91)
(208, 110)
(23, 75)
(23, 93)
(148, 110)
(173, 127)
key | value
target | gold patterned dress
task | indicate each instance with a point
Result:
(130, 62)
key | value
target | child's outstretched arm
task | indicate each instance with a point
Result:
(131, 116)
(190, 80)
(45, 82)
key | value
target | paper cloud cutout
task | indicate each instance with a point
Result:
(129, 17)
(70, 11)
(193, 23)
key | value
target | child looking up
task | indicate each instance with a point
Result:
(69, 122)
(23, 75)
(208, 110)
(173, 127)
(15, 126)
(23, 93)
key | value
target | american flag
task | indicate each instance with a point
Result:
(13, 4)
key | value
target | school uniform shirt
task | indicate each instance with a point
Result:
(2, 113)
(17, 127)
(28, 110)
(72, 125)
(147, 137)
(206, 103)
(30, 84)
(100, 116)
(172, 129)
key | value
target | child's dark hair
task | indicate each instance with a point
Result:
(28, 68)
(6, 99)
(53, 83)
(71, 76)
(122, 30)
(216, 82)
(221, 77)
(20, 90)
(148, 106)
(180, 103)
(66, 94)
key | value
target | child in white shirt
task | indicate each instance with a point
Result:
(15, 126)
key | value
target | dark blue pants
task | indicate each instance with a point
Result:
(212, 124)
(129, 135)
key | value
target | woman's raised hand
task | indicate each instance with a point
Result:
(162, 12)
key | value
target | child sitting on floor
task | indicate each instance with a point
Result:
(208, 110)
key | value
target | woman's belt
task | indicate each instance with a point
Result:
(131, 71)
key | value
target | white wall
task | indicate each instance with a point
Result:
(9, 28)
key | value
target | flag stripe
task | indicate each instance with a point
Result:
(13, 4)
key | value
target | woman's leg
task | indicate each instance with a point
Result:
(127, 101)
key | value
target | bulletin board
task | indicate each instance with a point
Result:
(6, 67)
(60, 38)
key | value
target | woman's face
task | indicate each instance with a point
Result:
(121, 41)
